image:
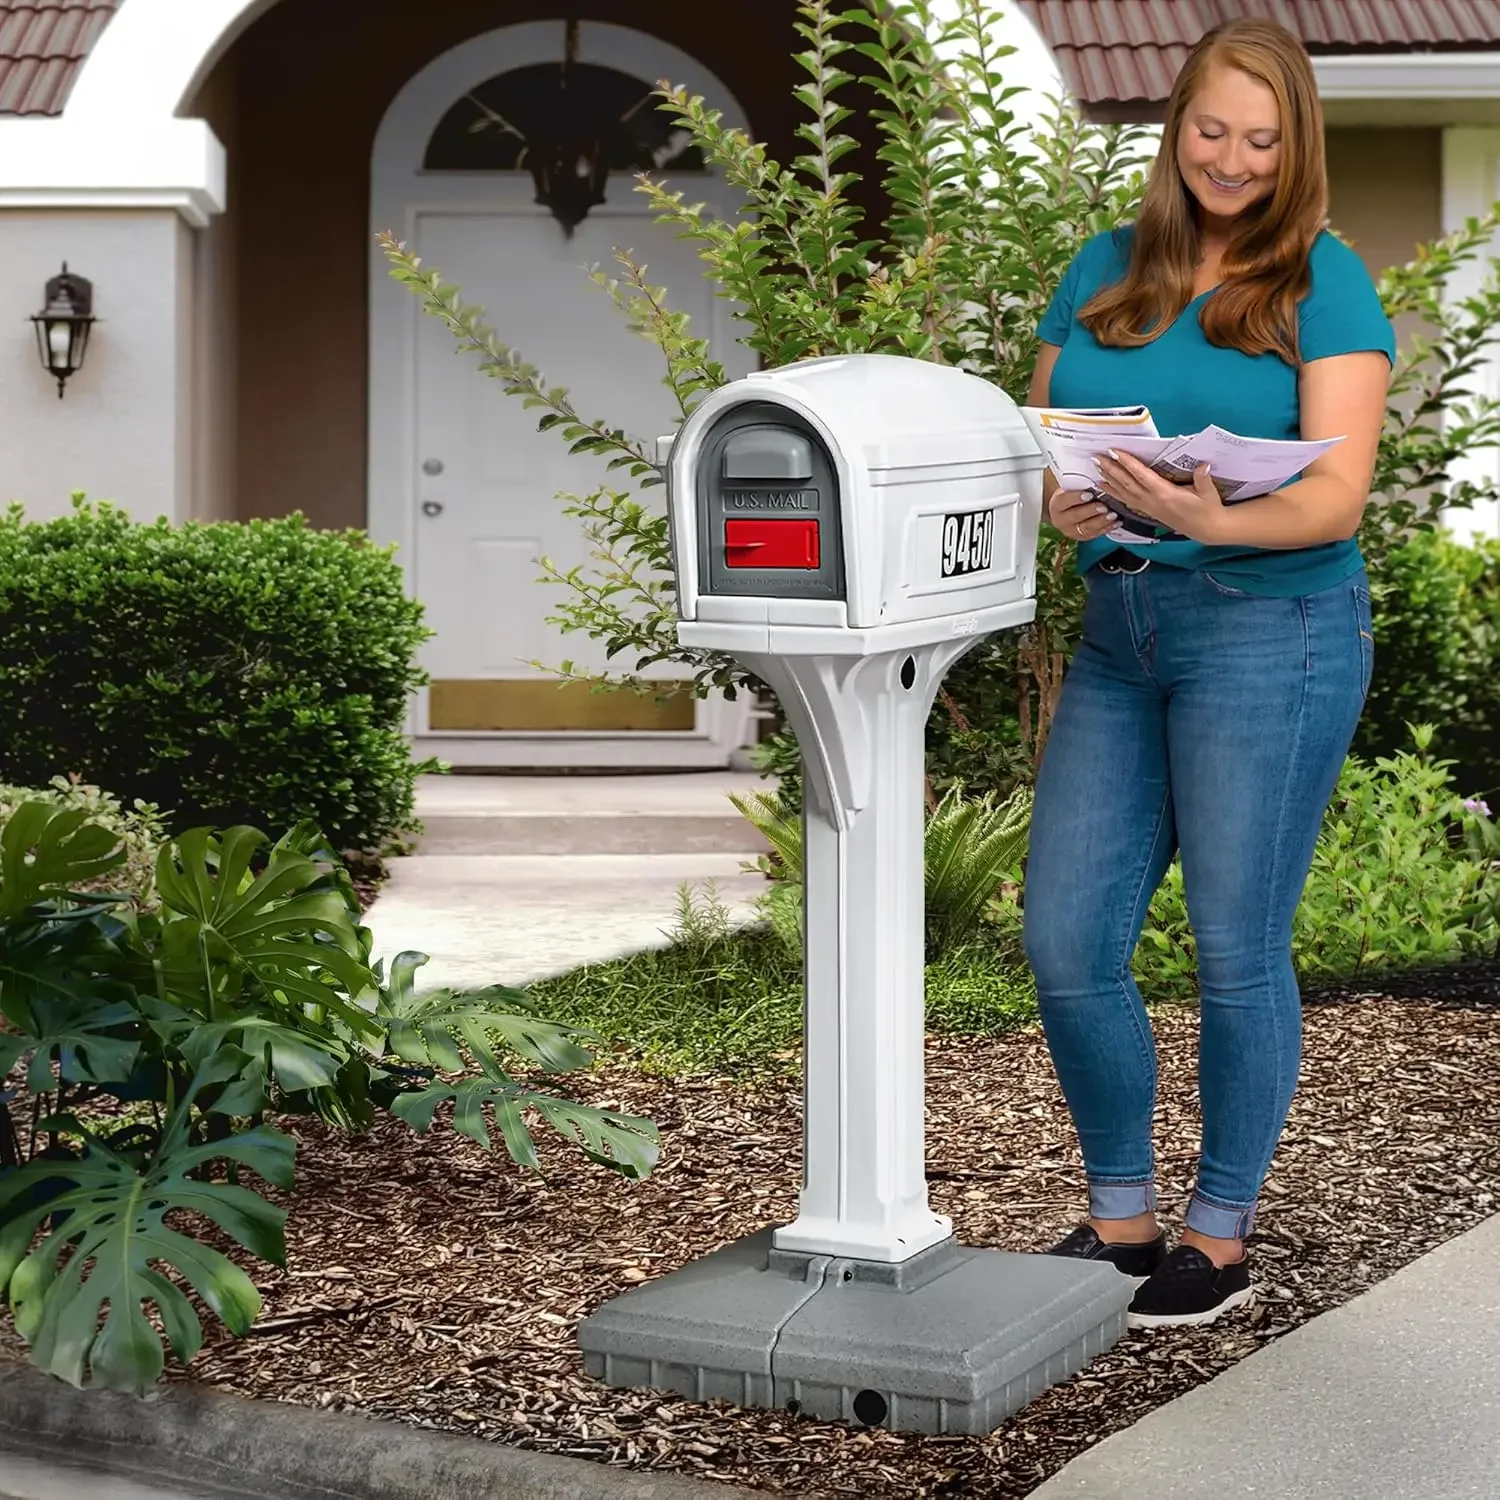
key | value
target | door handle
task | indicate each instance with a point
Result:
(432, 507)
(433, 466)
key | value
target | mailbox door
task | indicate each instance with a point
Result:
(768, 508)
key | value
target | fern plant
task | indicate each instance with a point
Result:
(973, 847)
(780, 826)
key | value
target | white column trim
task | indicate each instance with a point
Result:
(62, 163)
(1408, 75)
(1471, 185)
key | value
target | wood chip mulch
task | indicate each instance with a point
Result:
(432, 1284)
(369, 872)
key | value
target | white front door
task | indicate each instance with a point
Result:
(462, 480)
(488, 482)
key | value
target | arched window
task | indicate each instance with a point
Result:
(570, 125)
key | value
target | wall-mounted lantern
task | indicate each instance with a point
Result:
(62, 326)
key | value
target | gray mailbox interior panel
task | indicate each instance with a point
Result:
(762, 462)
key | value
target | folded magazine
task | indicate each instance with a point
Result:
(1240, 468)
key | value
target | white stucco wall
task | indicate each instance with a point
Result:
(1471, 185)
(215, 323)
(123, 431)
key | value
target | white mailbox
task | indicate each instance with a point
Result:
(847, 528)
(849, 496)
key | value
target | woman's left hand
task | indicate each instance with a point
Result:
(1196, 509)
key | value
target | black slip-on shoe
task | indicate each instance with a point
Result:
(1188, 1290)
(1136, 1261)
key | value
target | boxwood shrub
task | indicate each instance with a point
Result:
(1436, 609)
(227, 672)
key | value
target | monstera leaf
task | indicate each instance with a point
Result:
(422, 1028)
(225, 923)
(627, 1144)
(50, 937)
(44, 852)
(50, 955)
(296, 1068)
(296, 1060)
(108, 1235)
(79, 1037)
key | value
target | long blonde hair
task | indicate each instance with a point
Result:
(1265, 268)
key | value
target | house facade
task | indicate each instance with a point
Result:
(218, 170)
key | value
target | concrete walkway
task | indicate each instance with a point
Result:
(1393, 1396)
(518, 878)
(684, 813)
(25, 1478)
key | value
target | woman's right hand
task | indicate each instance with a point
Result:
(1080, 517)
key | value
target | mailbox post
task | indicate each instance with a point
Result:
(847, 528)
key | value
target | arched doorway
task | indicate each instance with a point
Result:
(459, 478)
(153, 56)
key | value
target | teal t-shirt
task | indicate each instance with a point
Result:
(1188, 383)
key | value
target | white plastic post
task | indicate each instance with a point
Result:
(861, 723)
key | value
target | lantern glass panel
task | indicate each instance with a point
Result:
(78, 345)
(60, 346)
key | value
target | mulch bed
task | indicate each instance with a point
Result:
(368, 872)
(433, 1284)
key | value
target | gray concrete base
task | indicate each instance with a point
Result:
(181, 1441)
(953, 1340)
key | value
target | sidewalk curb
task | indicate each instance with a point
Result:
(187, 1435)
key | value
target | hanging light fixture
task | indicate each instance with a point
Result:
(568, 124)
(570, 164)
(62, 326)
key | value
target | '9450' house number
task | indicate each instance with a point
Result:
(968, 542)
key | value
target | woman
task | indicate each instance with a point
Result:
(1215, 691)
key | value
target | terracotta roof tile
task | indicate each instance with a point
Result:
(42, 45)
(1129, 51)
(1109, 51)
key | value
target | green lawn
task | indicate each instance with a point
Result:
(730, 1003)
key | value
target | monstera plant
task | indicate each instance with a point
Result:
(153, 1044)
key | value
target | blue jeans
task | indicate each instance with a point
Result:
(1202, 720)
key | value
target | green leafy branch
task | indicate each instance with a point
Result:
(517, 376)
